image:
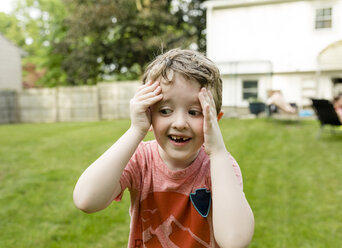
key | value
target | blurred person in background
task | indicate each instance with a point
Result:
(337, 102)
(276, 98)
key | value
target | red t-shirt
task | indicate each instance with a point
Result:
(169, 208)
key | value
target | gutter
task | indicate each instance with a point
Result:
(224, 4)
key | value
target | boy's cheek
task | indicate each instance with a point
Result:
(201, 127)
(154, 112)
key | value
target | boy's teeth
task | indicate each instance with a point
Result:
(179, 138)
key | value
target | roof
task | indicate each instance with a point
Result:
(220, 4)
(21, 51)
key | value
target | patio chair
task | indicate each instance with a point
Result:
(326, 115)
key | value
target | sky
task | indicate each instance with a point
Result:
(5, 5)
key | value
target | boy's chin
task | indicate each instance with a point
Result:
(181, 156)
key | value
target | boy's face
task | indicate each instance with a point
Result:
(177, 122)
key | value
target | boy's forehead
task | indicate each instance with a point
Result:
(179, 99)
(181, 90)
(179, 80)
(177, 89)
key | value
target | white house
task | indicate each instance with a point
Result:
(294, 46)
(10, 65)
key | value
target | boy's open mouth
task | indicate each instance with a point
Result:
(179, 139)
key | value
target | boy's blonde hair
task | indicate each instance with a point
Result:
(190, 64)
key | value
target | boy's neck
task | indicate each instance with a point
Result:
(174, 164)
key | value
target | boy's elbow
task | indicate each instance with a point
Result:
(92, 202)
(233, 241)
(235, 238)
(83, 204)
(84, 208)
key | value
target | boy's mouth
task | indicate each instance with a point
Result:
(179, 139)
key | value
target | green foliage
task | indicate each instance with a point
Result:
(82, 42)
(291, 180)
(118, 38)
(11, 29)
(35, 26)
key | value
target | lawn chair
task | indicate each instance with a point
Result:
(326, 114)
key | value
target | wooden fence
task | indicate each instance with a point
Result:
(67, 104)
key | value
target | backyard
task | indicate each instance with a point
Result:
(291, 180)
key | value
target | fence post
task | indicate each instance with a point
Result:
(57, 104)
(99, 111)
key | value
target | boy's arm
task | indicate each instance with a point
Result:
(233, 219)
(99, 184)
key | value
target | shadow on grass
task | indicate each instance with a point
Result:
(284, 121)
(328, 137)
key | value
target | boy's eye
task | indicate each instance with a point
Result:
(165, 111)
(195, 112)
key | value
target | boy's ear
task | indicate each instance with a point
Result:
(219, 116)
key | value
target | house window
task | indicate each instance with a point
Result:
(323, 18)
(249, 89)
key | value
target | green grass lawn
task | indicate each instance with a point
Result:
(292, 181)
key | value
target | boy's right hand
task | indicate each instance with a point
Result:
(145, 96)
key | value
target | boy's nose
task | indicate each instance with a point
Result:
(179, 121)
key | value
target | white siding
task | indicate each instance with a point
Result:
(283, 33)
(276, 43)
(10, 65)
(232, 88)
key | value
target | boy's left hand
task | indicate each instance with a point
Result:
(213, 140)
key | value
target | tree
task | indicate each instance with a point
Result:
(10, 28)
(35, 25)
(194, 13)
(85, 41)
(119, 37)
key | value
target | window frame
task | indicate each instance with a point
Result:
(323, 18)
(249, 90)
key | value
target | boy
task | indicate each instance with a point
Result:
(186, 189)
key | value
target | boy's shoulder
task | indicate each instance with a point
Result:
(149, 145)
